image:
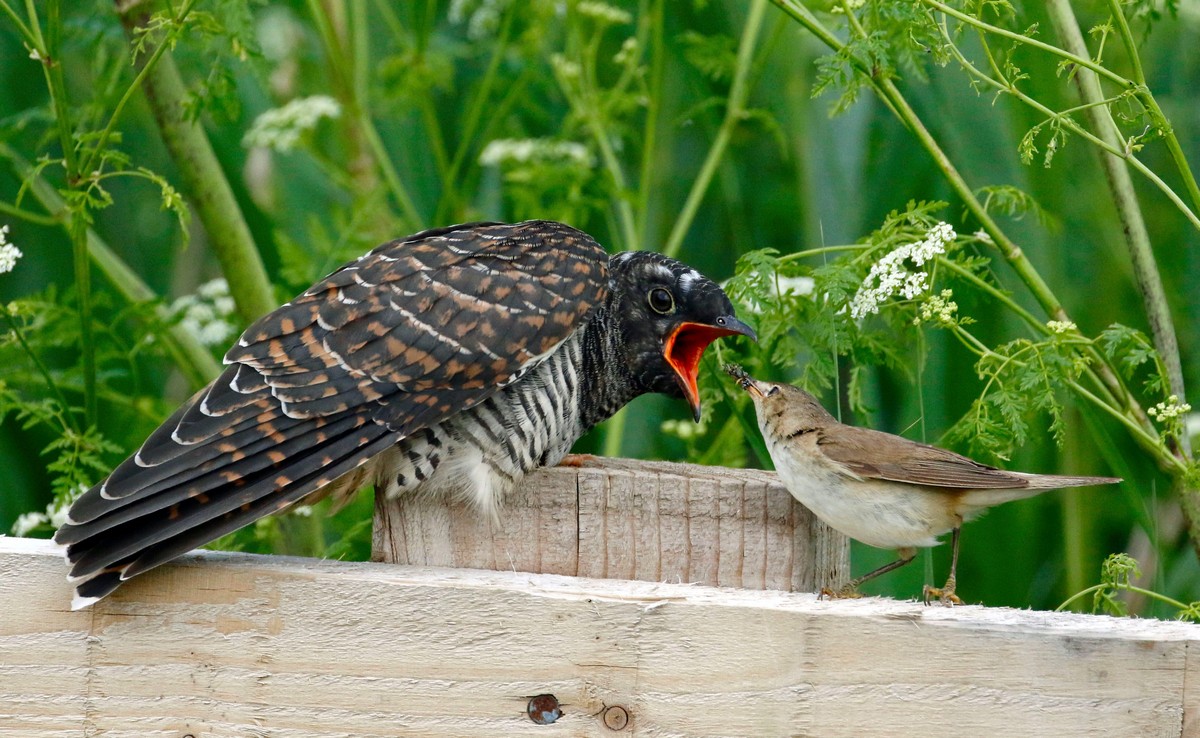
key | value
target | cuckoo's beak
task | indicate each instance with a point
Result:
(685, 345)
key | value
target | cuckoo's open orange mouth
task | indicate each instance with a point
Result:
(685, 345)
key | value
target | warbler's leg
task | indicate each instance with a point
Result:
(946, 594)
(850, 589)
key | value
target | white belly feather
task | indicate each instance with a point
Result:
(878, 513)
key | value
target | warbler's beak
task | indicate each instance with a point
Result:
(685, 345)
(745, 381)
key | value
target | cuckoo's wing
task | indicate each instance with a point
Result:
(402, 338)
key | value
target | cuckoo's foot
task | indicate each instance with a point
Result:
(577, 460)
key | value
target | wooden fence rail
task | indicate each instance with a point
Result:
(241, 645)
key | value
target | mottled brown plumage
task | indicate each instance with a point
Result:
(878, 488)
(410, 333)
(454, 361)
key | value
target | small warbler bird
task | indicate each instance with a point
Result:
(878, 488)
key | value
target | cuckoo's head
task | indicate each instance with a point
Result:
(669, 313)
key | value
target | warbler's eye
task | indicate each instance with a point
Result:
(661, 300)
(774, 390)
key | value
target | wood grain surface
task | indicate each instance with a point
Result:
(242, 645)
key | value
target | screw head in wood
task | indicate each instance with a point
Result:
(543, 709)
(616, 717)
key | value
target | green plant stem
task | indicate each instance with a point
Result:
(359, 110)
(1168, 132)
(48, 50)
(77, 228)
(1115, 148)
(996, 294)
(68, 418)
(134, 86)
(1079, 57)
(797, 255)
(390, 174)
(27, 215)
(1148, 440)
(1137, 239)
(1081, 61)
(475, 115)
(1007, 248)
(192, 357)
(205, 181)
(1122, 587)
(624, 210)
(735, 111)
(52, 69)
(646, 179)
(26, 34)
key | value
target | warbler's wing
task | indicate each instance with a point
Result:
(877, 455)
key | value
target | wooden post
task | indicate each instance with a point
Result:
(625, 519)
(238, 645)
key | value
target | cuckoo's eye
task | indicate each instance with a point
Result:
(661, 300)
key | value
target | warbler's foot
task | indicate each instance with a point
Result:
(577, 460)
(847, 592)
(945, 595)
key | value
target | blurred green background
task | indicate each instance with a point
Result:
(504, 110)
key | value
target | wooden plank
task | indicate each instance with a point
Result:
(241, 645)
(625, 519)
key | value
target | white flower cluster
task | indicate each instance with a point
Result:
(683, 429)
(780, 287)
(9, 253)
(627, 52)
(1061, 326)
(567, 69)
(1171, 410)
(890, 275)
(54, 516)
(938, 308)
(528, 150)
(280, 128)
(204, 313)
(481, 16)
(604, 12)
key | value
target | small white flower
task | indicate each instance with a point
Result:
(627, 52)
(9, 253)
(1171, 410)
(27, 522)
(890, 276)
(684, 430)
(938, 308)
(566, 68)
(780, 287)
(604, 12)
(280, 128)
(57, 514)
(481, 16)
(503, 151)
(303, 511)
(205, 313)
(1061, 326)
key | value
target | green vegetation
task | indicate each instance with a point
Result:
(971, 224)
